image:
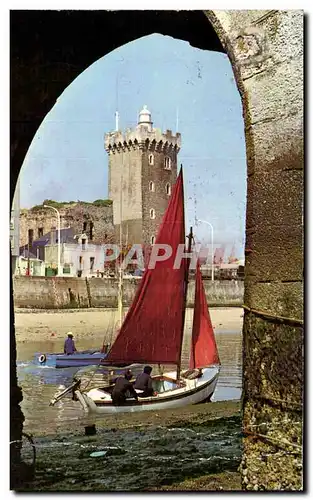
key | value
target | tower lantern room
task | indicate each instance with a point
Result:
(145, 118)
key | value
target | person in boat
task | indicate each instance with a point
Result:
(144, 383)
(69, 345)
(123, 389)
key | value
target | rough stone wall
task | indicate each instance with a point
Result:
(74, 216)
(157, 199)
(125, 171)
(50, 293)
(41, 292)
(266, 48)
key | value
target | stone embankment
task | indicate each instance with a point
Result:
(40, 292)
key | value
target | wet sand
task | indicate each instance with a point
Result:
(34, 325)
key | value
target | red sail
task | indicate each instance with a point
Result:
(153, 328)
(203, 350)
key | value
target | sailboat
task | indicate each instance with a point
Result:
(153, 330)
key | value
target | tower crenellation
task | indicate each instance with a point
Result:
(142, 171)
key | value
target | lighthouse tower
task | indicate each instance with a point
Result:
(142, 171)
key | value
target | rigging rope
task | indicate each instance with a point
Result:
(274, 317)
(276, 442)
(289, 405)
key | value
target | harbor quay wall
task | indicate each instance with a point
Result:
(40, 292)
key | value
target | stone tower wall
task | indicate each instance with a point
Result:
(125, 168)
(129, 164)
(157, 199)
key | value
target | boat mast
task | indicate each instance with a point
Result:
(190, 238)
(120, 269)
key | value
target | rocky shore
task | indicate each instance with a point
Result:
(197, 449)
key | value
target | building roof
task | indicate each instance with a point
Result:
(28, 255)
(66, 234)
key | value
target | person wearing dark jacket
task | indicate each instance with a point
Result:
(144, 383)
(121, 388)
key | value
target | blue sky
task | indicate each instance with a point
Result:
(67, 160)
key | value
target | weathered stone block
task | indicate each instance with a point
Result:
(276, 93)
(276, 255)
(270, 206)
(277, 144)
(282, 299)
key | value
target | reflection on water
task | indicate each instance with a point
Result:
(39, 384)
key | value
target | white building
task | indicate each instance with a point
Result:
(80, 259)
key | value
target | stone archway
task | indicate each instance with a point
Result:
(266, 52)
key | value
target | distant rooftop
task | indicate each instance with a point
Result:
(66, 236)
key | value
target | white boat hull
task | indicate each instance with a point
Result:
(195, 391)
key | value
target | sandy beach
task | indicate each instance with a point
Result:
(34, 325)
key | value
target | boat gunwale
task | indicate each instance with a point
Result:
(159, 398)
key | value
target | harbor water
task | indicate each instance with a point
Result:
(39, 384)
(129, 452)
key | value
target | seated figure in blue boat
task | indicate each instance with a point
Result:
(69, 345)
(144, 383)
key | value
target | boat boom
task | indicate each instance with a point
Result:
(75, 385)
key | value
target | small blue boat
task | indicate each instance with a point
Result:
(61, 360)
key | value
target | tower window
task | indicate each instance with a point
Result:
(152, 240)
(167, 163)
(152, 213)
(40, 232)
(84, 227)
(151, 160)
(151, 186)
(168, 189)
